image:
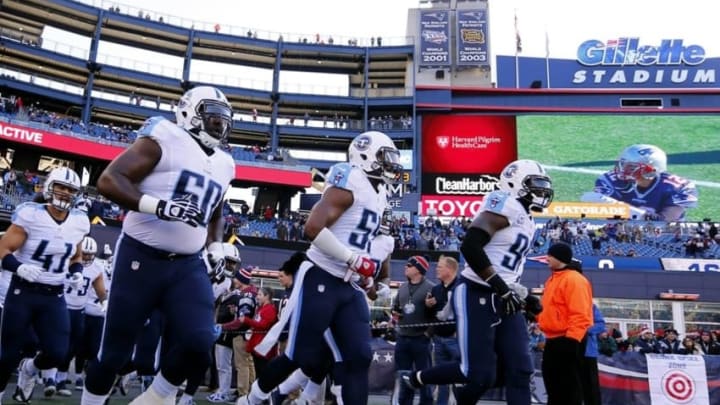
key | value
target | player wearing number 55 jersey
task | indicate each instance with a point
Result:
(488, 301)
(40, 248)
(341, 226)
(172, 179)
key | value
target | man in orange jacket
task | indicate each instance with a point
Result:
(566, 316)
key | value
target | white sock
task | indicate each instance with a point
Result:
(186, 397)
(163, 387)
(296, 380)
(256, 396)
(89, 398)
(310, 391)
(49, 374)
(62, 376)
(30, 367)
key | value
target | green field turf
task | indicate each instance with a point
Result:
(594, 142)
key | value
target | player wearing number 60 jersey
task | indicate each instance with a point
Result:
(172, 179)
(488, 301)
(40, 248)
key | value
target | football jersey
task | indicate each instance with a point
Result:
(667, 190)
(77, 297)
(221, 287)
(5, 277)
(49, 244)
(381, 248)
(184, 169)
(92, 304)
(359, 224)
(509, 246)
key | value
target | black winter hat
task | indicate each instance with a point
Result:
(562, 252)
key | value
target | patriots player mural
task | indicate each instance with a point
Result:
(640, 179)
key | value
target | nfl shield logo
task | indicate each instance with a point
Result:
(134, 265)
(443, 141)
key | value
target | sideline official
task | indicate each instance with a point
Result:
(565, 319)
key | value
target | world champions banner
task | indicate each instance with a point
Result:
(434, 38)
(472, 38)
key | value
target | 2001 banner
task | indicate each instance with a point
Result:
(434, 38)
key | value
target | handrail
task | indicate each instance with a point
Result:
(244, 31)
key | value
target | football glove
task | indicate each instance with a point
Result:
(76, 280)
(511, 301)
(29, 272)
(533, 307)
(362, 264)
(183, 209)
(104, 306)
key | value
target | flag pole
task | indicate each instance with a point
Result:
(518, 48)
(547, 58)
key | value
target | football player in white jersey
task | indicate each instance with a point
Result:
(76, 299)
(172, 179)
(488, 300)
(40, 248)
(340, 226)
(381, 249)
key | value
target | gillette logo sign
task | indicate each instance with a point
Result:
(629, 52)
(624, 61)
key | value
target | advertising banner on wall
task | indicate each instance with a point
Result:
(463, 155)
(472, 38)
(434, 38)
(621, 62)
(91, 147)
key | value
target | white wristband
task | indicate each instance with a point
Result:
(148, 204)
(330, 245)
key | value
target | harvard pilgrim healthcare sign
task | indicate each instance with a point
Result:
(623, 62)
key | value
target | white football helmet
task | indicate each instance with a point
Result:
(376, 154)
(206, 114)
(232, 259)
(88, 247)
(62, 176)
(527, 181)
(640, 161)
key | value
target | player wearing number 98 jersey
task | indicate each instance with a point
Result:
(172, 179)
(488, 301)
(40, 248)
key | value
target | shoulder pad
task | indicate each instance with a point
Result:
(149, 125)
(24, 214)
(339, 176)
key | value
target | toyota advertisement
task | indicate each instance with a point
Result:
(462, 157)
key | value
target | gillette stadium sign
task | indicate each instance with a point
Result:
(631, 59)
(624, 62)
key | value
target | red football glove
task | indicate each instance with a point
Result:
(362, 265)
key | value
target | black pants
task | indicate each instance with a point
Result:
(562, 369)
(590, 381)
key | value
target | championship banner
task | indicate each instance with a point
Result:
(472, 35)
(677, 379)
(434, 38)
(591, 210)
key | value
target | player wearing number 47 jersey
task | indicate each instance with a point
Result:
(172, 179)
(40, 248)
(488, 301)
(341, 226)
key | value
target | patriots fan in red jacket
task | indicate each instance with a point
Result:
(265, 317)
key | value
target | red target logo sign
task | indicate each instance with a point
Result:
(678, 386)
